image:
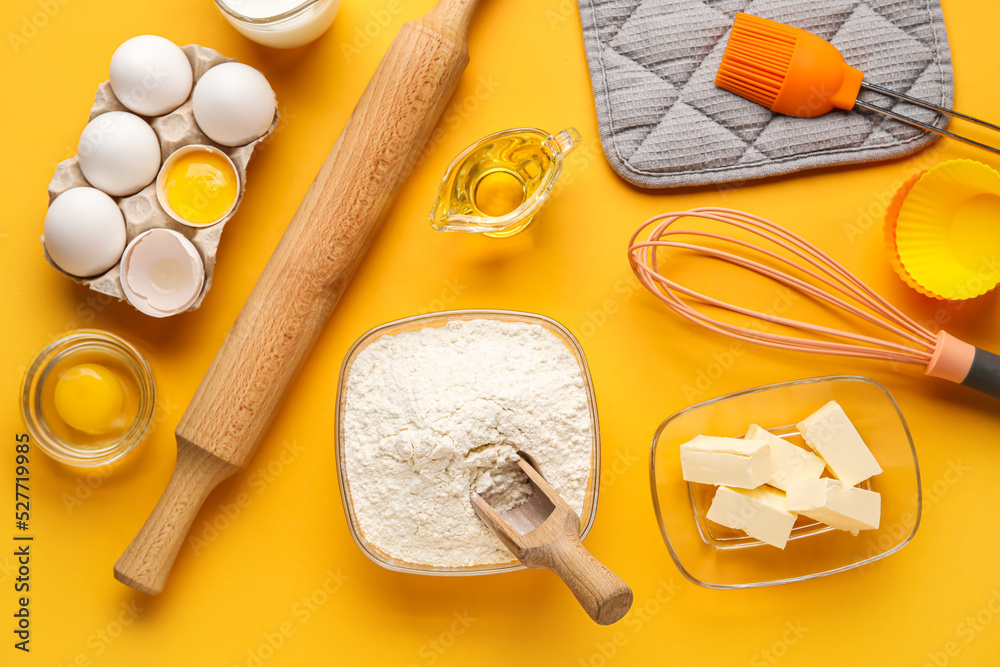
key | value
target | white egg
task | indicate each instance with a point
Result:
(84, 232)
(150, 75)
(233, 104)
(119, 153)
(162, 273)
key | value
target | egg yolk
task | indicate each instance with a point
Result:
(498, 193)
(89, 397)
(201, 187)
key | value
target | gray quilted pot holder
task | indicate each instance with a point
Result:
(664, 123)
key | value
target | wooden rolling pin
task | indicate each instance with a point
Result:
(303, 280)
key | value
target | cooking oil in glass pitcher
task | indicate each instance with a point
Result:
(496, 186)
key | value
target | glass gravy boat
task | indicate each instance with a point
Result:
(496, 186)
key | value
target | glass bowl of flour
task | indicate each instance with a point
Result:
(433, 406)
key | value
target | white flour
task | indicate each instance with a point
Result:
(431, 414)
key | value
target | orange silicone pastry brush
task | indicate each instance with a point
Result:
(796, 73)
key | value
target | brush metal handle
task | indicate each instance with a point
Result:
(925, 126)
(927, 105)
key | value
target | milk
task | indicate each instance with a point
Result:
(296, 30)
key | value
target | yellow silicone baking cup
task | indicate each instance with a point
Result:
(942, 230)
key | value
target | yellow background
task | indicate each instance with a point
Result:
(243, 592)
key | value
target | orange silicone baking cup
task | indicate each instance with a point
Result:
(942, 230)
(889, 230)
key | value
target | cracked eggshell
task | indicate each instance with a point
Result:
(142, 211)
(161, 273)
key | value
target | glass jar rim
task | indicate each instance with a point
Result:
(298, 9)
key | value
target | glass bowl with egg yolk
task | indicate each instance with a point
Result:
(88, 398)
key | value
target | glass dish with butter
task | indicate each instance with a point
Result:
(715, 556)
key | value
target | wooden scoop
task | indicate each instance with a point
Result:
(545, 533)
(303, 280)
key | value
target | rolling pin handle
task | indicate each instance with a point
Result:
(147, 561)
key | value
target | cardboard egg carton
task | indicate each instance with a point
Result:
(142, 211)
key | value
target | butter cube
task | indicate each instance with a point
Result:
(831, 434)
(726, 461)
(760, 513)
(833, 503)
(788, 462)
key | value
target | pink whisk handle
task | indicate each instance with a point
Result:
(965, 364)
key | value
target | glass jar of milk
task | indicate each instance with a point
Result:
(283, 24)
